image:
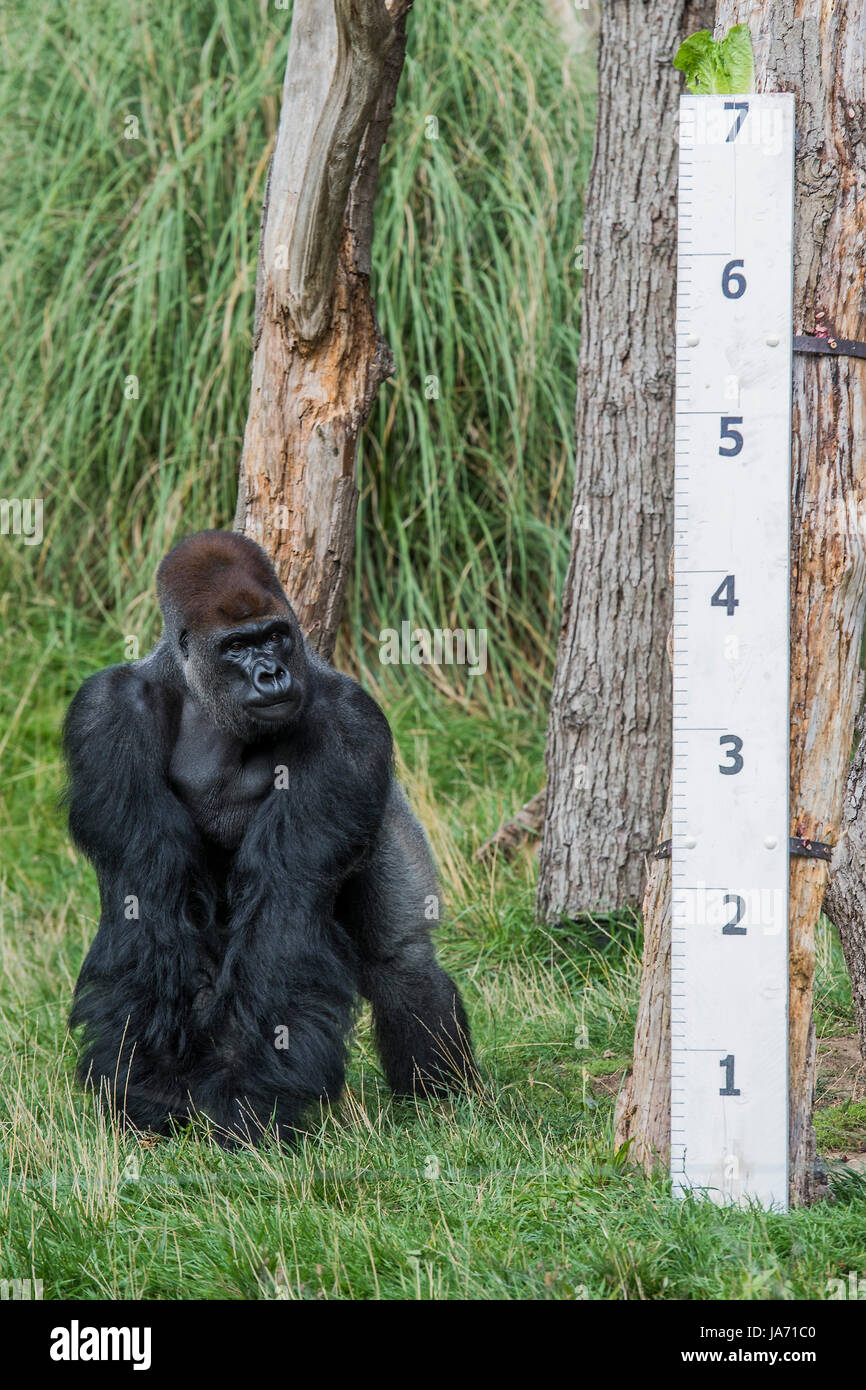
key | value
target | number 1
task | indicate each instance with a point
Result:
(728, 1089)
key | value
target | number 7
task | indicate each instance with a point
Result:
(742, 110)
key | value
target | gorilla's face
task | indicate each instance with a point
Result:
(251, 678)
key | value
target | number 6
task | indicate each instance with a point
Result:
(731, 276)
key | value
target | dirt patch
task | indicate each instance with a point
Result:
(840, 1072)
(607, 1083)
(841, 1158)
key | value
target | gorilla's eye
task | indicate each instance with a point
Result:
(235, 646)
(274, 639)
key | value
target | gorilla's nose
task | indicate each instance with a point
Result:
(270, 679)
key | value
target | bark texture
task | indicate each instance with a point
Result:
(609, 736)
(816, 51)
(845, 899)
(643, 1106)
(318, 355)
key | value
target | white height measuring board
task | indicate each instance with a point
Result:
(729, 848)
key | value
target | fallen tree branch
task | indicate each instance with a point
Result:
(525, 825)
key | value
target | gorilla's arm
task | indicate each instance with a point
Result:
(135, 991)
(283, 1001)
(390, 906)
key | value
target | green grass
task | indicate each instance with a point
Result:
(136, 257)
(518, 1193)
(843, 1126)
(121, 257)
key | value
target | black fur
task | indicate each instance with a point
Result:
(260, 907)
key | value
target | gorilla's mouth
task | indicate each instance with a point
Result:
(280, 704)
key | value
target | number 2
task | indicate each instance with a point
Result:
(731, 928)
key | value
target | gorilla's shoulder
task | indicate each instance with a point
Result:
(137, 691)
(338, 703)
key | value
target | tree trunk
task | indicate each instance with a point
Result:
(816, 51)
(318, 355)
(845, 899)
(644, 1102)
(609, 736)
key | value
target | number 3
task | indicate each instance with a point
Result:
(733, 753)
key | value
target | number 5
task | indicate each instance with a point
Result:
(730, 435)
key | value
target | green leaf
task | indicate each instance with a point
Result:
(697, 58)
(737, 58)
(713, 68)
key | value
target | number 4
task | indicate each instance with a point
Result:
(724, 596)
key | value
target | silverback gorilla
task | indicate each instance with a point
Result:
(259, 868)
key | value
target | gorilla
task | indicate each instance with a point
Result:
(259, 869)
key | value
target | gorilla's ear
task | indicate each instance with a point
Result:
(183, 643)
